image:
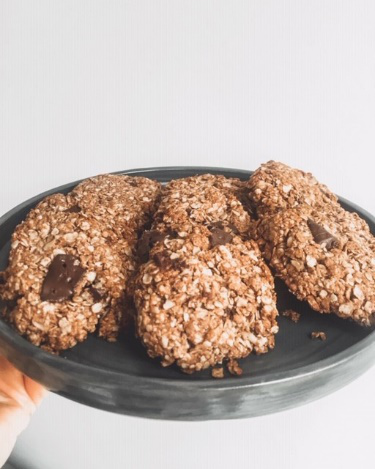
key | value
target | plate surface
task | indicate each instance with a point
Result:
(121, 378)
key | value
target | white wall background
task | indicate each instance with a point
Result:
(104, 85)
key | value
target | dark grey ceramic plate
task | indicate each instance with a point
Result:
(121, 378)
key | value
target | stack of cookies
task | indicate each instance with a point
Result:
(72, 258)
(325, 254)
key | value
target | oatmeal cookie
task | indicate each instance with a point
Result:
(201, 200)
(200, 309)
(204, 295)
(275, 186)
(326, 257)
(123, 203)
(69, 264)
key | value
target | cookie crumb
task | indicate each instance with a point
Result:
(217, 373)
(234, 368)
(318, 335)
(293, 315)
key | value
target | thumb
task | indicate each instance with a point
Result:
(34, 390)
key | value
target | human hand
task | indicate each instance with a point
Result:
(19, 396)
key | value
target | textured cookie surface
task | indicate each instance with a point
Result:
(201, 309)
(205, 295)
(202, 200)
(275, 186)
(71, 260)
(326, 257)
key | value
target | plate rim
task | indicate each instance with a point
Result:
(35, 353)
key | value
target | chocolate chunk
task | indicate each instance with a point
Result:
(217, 224)
(162, 260)
(322, 236)
(233, 228)
(148, 240)
(96, 295)
(222, 226)
(74, 209)
(63, 275)
(219, 236)
(133, 182)
(230, 312)
(156, 236)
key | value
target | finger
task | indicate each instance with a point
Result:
(11, 382)
(14, 418)
(18, 387)
(35, 390)
(7, 370)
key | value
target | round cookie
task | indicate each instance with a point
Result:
(200, 309)
(72, 260)
(325, 257)
(123, 203)
(54, 245)
(197, 201)
(275, 186)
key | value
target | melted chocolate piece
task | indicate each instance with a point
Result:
(217, 224)
(221, 225)
(132, 182)
(162, 260)
(74, 209)
(230, 312)
(322, 236)
(148, 240)
(63, 275)
(219, 237)
(233, 228)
